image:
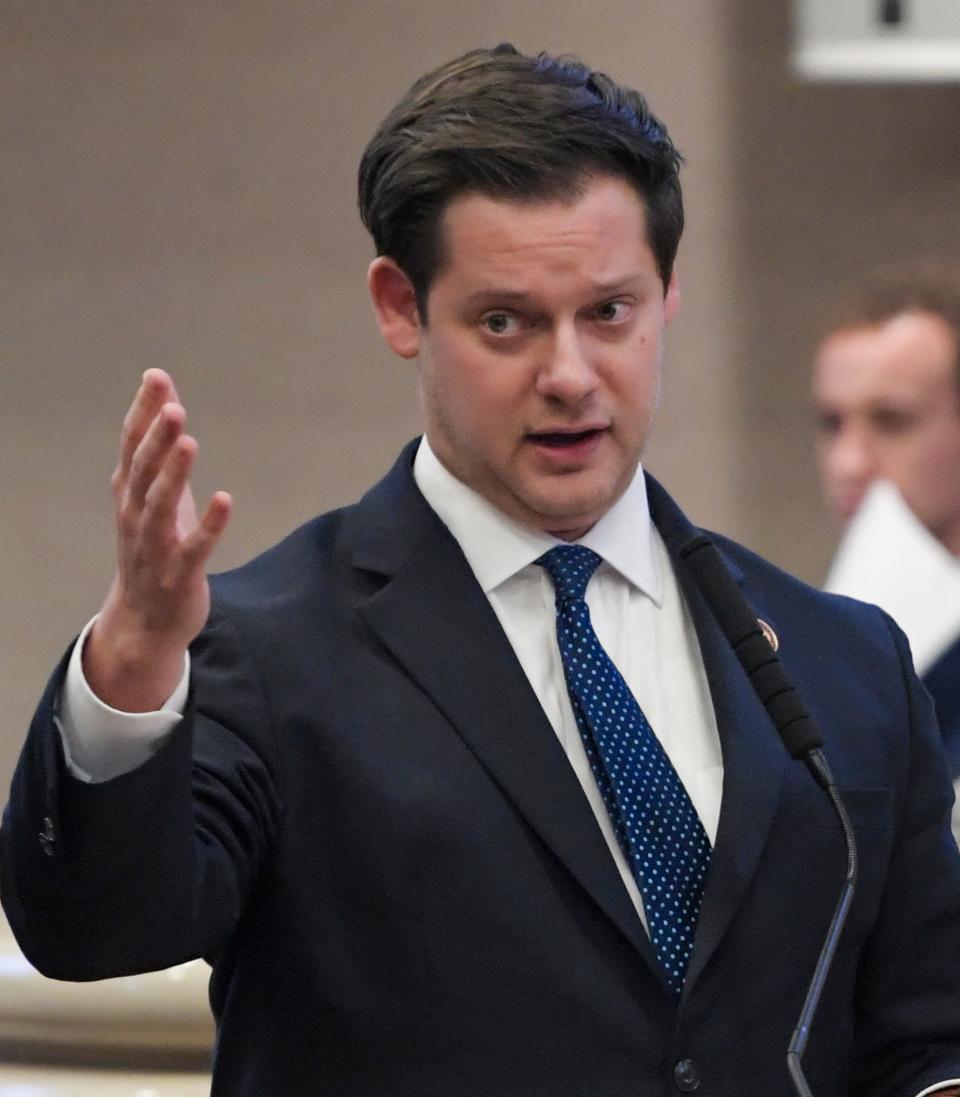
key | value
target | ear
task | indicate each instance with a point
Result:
(395, 305)
(671, 299)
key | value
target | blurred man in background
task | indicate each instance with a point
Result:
(886, 384)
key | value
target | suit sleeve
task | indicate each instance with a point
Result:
(153, 867)
(908, 996)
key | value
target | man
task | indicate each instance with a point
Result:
(886, 385)
(404, 798)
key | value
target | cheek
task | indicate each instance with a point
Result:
(823, 451)
(927, 471)
(472, 394)
(936, 456)
(629, 375)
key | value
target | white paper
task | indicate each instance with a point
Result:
(889, 558)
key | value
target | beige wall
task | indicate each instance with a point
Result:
(177, 190)
(829, 179)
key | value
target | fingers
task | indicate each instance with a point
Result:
(159, 480)
(154, 452)
(156, 389)
(160, 597)
(155, 509)
(196, 547)
(164, 525)
(163, 520)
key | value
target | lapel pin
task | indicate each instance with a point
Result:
(767, 631)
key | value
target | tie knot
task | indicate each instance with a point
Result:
(570, 568)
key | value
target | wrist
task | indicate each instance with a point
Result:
(130, 668)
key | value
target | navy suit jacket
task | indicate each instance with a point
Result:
(366, 823)
(943, 682)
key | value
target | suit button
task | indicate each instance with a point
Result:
(47, 836)
(686, 1074)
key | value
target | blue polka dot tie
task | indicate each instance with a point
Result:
(656, 825)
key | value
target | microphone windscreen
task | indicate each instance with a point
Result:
(739, 623)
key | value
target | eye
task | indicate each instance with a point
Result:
(612, 312)
(829, 422)
(889, 420)
(500, 323)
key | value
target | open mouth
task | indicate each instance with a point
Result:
(562, 439)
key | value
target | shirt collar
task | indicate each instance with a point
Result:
(497, 548)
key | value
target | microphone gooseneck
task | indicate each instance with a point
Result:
(800, 737)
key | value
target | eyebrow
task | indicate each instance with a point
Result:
(501, 295)
(507, 296)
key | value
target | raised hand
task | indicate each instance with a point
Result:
(159, 598)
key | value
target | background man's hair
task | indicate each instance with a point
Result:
(509, 126)
(926, 286)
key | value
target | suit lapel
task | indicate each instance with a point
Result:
(435, 619)
(754, 760)
(432, 615)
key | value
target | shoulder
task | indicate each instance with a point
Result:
(776, 596)
(850, 662)
(293, 590)
(341, 550)
(789, 599)
(298, 561)
(943, 681)
(836, 647)
(813, 627)
(852, 667)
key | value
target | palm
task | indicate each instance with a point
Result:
(160, 597)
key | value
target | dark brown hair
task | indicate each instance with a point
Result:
(513, 127)
(925, 286)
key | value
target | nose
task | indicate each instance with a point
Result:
(567, 372)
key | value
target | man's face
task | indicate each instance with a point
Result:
(888, 403)
(540, 359)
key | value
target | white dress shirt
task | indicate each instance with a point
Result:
(637, 612)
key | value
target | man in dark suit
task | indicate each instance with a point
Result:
(942, 679)
(886, 383)
(418, 861)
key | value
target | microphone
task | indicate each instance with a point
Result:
(800, 737)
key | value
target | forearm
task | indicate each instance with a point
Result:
(153, 866)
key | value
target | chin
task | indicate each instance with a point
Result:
(563, 515)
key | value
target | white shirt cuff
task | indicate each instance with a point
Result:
(938, 1086)
(100, 742)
